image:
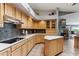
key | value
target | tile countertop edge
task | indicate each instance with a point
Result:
(4, 46)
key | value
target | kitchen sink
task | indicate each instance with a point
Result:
(11, 40)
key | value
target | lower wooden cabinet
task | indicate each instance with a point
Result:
(6, 52)
(53, 47)
(30, 43)
(28, 46)
(22, 48)
(17, 52)
(39, 38)
(50, 48)
(60, 45)
(76, 42)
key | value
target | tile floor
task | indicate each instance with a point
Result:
(38, 50)
(69, 49)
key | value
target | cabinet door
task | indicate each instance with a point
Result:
(30, 22)
(28, 46)
(50, 48)
(41, 38)
(24, 20)
(1, 14)
(9, 10)
(42, 24)
(6, 52)
(60, 45)
(18, 14)
(75, 42)
(53, 48)
(24, 49)
(17, 52)
(36, 39)
(47, 24)
(31, 43)
(51, 31)
(53, 24)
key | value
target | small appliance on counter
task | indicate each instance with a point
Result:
(24, 32)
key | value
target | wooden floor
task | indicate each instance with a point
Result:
(69, 49)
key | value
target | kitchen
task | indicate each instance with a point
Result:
(25, 29)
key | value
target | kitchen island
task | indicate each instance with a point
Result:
(76, 41)
(53, 45)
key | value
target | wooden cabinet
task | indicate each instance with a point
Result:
(1, 14)
(24, 49)
(39, 39)
(16, 49)
(50, 24)
(30, 44)
(76, 42)
(9, 10)
(30, 22)
(20, 49)
(39, 24)
(6, 52)
(51, 27)
(18, 14)
(60, 45)
(24, 20)
(47, 24)
(53, 24)
(35, 24)
(50, 48)
(42, 24)
(17, 52)
(51, 31)
(53, 47)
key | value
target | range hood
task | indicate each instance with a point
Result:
(8, 19)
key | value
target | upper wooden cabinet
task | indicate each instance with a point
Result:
(30, 22)
(18, 14)
(39, 24)
(24, 20)
(42, 24)
(35, 24)
(51, 24)
(47, 24)
(51, 27)
(1, 14)
(9, 10)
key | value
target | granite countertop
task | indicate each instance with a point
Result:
(52, 37)
(6, 45)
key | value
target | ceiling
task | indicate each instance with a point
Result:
(53, 6)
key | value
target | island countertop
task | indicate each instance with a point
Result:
(52, 37)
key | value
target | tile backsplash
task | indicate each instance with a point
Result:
(9, 31)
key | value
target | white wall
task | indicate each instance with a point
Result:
(71, 19)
